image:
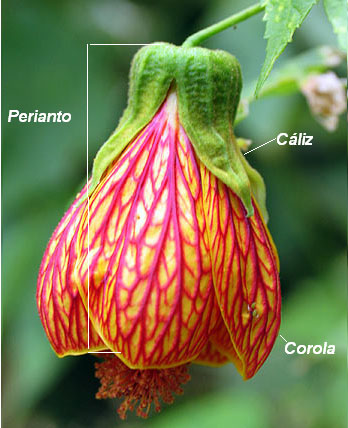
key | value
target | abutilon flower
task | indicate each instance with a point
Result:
(164, 258)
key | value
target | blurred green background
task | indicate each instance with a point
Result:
(43, 165)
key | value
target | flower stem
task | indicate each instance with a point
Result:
(197, 38)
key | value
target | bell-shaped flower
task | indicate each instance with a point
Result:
(164, 258)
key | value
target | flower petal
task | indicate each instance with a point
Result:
(221, 340)
(61, 309)
(211, 356)
(150, 286)
(245, 273)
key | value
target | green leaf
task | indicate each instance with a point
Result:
(287, 78)
(282, 17)
(336, 11)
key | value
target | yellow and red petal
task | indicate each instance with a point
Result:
(151, 295)
(221, 339)
(211, 356)
(245, 273)
(61, 309)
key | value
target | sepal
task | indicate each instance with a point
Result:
(150, 78)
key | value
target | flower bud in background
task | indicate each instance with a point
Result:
(164, 259)
(326, 97)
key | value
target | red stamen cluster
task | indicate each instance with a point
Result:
(146, 386)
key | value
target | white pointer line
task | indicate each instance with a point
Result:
(260, 146)
(87, 190)
(283, 338)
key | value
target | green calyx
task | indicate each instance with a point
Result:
(208, 85)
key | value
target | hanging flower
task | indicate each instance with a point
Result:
(164, 258)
